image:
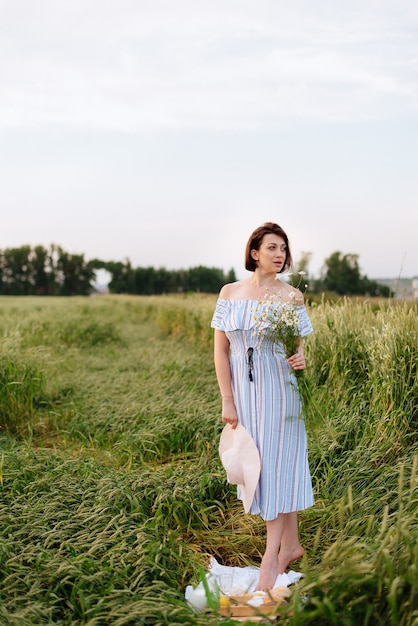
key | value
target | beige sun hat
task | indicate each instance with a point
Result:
(241, 460)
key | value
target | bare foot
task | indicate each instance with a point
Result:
(268, 574)
(288, 557)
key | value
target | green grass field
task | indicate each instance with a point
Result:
(112, 493)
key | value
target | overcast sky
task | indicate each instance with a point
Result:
(165, 132)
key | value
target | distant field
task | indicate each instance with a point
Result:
(112, 493)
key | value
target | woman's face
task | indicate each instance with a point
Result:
(271, 255)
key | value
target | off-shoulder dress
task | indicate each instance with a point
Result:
(269, 407)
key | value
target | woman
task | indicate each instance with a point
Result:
(259, 390)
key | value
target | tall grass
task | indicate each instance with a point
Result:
(112, 493)
(21, 391)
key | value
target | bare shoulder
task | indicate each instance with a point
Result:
(293, 294)
(297, 296)
(231, 290)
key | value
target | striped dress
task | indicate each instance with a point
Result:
(269, 407)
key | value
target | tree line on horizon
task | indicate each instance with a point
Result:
(27, 271)
(54, 272)
(340, 274)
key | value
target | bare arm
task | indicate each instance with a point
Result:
(223, 374)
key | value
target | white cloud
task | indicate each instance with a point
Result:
(138, 66)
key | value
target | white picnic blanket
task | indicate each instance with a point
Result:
(233, 581)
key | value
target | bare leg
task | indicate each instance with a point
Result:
(290, 548)
(269, 563)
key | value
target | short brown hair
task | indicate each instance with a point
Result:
(255, 240)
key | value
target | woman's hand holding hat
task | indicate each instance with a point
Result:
(229, 413)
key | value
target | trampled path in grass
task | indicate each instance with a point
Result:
(113, 496)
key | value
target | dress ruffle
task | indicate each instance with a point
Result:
(232, 315)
